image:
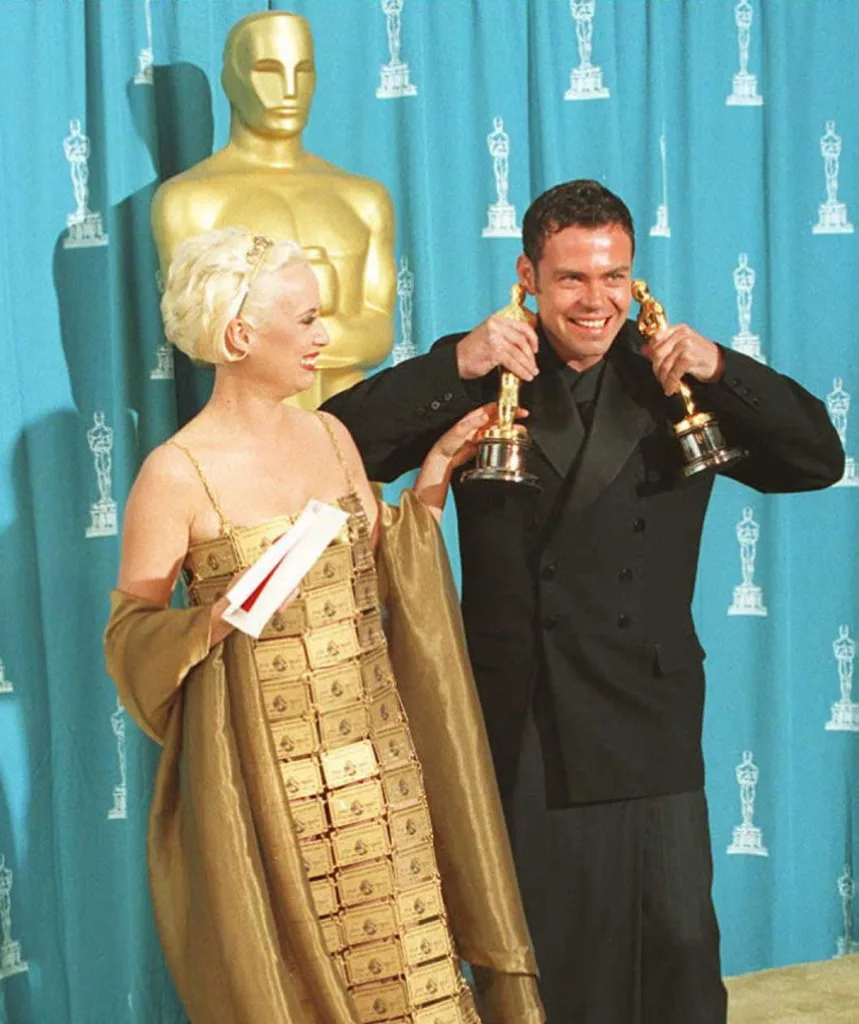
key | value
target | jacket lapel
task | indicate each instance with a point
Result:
(621, 419)
(554, 423)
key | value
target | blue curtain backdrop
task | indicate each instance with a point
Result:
(718, 137)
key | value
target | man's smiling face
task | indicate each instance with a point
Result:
(582, 286)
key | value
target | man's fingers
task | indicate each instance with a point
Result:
(670, 361)
(499, 341)
(513, 360)
(514, 354)
(520, 327)
(527, 332)
(510, 334)
(673, 368)
(658, 358)
(524, 347)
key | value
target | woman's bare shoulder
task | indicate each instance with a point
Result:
(167, 477)
(341, 433)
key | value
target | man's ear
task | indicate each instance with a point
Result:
(237, 339)
(527, 274)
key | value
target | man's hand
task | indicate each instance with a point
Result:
(498, 341)
(677, 350)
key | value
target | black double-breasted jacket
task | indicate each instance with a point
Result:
(586, 587)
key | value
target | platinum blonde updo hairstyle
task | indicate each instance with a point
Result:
(214, 276)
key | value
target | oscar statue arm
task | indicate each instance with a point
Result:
(363, 339)
(787, 432)
(397, 415)
(178, 212)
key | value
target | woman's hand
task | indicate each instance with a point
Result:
(220, 628)
(455, 447)
(459, 444)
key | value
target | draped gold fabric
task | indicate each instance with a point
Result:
(231, 897)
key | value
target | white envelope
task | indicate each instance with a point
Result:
(272, 578)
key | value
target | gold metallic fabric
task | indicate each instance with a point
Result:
(238, 914)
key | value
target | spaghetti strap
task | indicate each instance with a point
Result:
(226, 527)
(344, 465)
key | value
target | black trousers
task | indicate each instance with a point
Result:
(618, 901)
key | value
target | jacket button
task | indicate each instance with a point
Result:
(638, 524)
(623, 622)
(548, 571)
(736, 381)
(448, 396)
(550, 622)
(625, 575)
(435, 404)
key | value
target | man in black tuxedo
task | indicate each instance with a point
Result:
(577, 601)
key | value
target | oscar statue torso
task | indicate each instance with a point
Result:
(264, 181)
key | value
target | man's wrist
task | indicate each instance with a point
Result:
(462, 363)
(719, 370)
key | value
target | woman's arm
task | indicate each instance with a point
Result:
(453, 448)
(456, 446)
(156, 533)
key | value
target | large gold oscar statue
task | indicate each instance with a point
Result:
(265, 181)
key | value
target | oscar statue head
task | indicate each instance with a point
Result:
(269, 73)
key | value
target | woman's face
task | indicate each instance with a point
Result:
(290, 335)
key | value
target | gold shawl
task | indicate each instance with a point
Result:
(231, 897)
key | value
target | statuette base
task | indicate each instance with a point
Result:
(586, 84)
(745, 92)
(10, 959)
(846, 947)
(395, 82)
(748, 839)
(703, 445)
(749, 345)
(102, 519)
(845, 717)
(502, 460)
(748, 600)
(661, 229)
(402, 351)
(84, 232)
(833, 220)
(119, 811)
(851, 473)
(164, 368)
(145, 73)
(502, 222)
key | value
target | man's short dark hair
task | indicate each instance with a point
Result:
(581, 203)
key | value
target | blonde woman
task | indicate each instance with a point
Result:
(325, 836)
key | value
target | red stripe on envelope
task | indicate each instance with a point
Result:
(251, 599)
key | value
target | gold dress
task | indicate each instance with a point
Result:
(296, 872)
(350, 771)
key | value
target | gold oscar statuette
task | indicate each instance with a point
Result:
(264, 180)
(503, 447)
(699, 433)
